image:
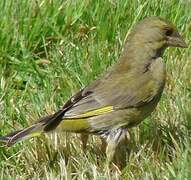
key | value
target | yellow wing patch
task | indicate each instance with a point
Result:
(95, 112)
(79, 122)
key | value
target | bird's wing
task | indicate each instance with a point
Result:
(113, 93)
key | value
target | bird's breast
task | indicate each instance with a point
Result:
(158, 71)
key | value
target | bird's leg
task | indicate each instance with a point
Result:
(116, 149)
(103, 145)
(84, 139)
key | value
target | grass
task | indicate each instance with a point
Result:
(51, 49)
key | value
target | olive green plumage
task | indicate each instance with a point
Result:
(123, 96)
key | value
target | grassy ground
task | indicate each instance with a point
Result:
(51, 49)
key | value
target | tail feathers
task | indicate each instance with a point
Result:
(32, 131)
(6, 138)
(20, 135)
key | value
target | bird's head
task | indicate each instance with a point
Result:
(156, 33)
(147, 41)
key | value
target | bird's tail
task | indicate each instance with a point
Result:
(35, 130)
(16, 136)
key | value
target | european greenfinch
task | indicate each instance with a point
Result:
(122, 97)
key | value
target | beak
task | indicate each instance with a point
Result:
(176, 40)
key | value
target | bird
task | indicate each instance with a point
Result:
(120, 98)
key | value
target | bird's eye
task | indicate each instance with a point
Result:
(168, 32)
